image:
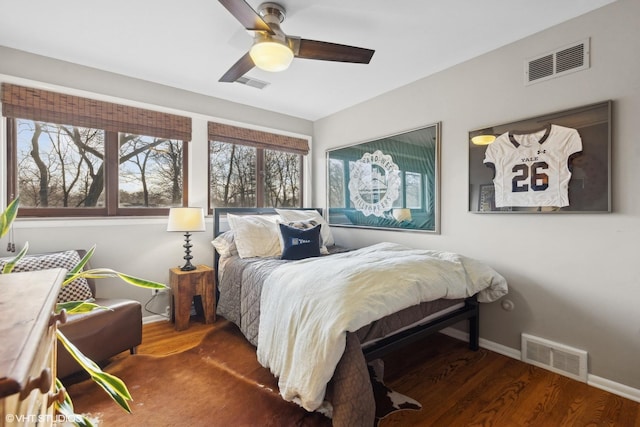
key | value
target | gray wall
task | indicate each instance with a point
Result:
(574, 278)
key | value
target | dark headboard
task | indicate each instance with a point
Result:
(220, 224)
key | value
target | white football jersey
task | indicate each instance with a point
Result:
(533, 169)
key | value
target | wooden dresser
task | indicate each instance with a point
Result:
(28, 347)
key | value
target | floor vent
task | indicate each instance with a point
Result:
(555, 357)
(258, 84)
(564, 60)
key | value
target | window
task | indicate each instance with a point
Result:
(282, 179)
(151, 172)
(111, 160)
(250, 168)
(413, 190)
(58, 166)
(232, 174)
(338, 195)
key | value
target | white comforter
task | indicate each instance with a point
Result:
(308, 306)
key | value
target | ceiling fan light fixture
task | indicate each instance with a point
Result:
(271, 55)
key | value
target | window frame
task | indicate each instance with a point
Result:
(259, 172)
(40, 105)
(111, 182)
(261, 140)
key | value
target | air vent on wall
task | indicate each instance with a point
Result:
(561, 61)
(559, 358)
(258, 84)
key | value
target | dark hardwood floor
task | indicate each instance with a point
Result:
(459, 387)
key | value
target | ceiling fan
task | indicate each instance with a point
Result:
(273, 50)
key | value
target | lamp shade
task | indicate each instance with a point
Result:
(271, 55)
(186, 219)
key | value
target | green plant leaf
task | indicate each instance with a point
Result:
(103, 273)
(8, 267)
(110, 383)
(113, 385)
(143, 283)
(66, 409)
(88, 364)
(114, 388)
(79, 306)
(85, 259)
(7, 217)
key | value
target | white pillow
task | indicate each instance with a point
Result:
(225, 244)
(292, 215)
(255, 235)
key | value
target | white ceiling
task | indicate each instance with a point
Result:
(189, 44)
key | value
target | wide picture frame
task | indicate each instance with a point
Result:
(555, 163)
(390, 183)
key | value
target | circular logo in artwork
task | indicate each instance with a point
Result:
(374, 183)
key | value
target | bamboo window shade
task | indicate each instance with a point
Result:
(255, 138)
(42, 105)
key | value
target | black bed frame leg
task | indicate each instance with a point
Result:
(474, 329)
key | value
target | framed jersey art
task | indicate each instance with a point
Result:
(558, 162)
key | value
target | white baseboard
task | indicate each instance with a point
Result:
(154, 318)
(489, 345)
(501, 349)
(592, 380)
(456, 333)
(614, 387)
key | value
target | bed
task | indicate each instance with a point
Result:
(316, 320)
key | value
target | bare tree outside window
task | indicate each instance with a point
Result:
(281, 179)
(150, 171)
(62, 166)
(232, 175)
(59, 166)
(235, 180)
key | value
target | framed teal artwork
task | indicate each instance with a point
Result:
(387, 183)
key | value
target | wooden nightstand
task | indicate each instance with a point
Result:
(185, 285)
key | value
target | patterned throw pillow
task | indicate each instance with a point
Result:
(78, 290)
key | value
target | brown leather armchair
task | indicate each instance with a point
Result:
(101, 334)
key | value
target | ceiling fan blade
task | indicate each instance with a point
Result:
(239, 69)
(325, 51)
(248, 17)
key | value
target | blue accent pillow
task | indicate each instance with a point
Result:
(300, 243)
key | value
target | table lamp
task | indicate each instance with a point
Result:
(186, 220)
